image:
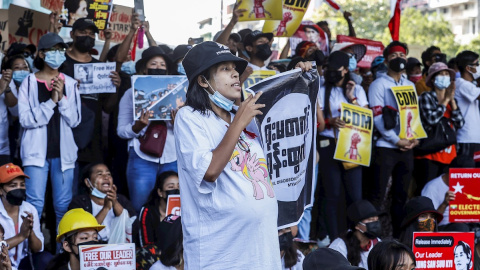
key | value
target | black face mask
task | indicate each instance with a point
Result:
(374, 229)
(16, 196)
(333, 76)
(84, 43)
(156, 71)
(172, 192)
(285, 240)
(317, 56)
(263, 51)
(92, 242)
(397, 64)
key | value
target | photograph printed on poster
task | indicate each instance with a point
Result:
(95, 78)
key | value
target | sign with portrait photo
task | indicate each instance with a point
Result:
(95, 78)
(111, 256)
(97, 11)
(309, 31)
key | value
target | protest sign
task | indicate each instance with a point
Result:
(111, 257)
(354, 143)
(254, 78)
(95, 78)
(261, 10)
(97, 11)
(287, 131)
(465, 184)
(159, 95)
(4, 29)
(374, 49)
(26, 25)
(445, 250)
(410, 123)
(173, 205)
(53, 5)
(120, 23)
(293, 11)
(309, 31)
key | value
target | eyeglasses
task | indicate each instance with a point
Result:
(55, 49)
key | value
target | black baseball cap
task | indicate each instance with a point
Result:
(84, 23)
(180, 51)
(412, 62)
(254, 35)
(49, 40)
(361, 210)
(338, 59)
(244, 32)
(417, 206)
(327, 259)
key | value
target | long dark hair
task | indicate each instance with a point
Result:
(354, 249)
(153, 198)
(290, 255)
(173, 254)
(387, 254)
(197, 97)
(328, 93)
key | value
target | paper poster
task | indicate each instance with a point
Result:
(254, 78)
(95, 78)
(287, 131)
(159, 95)
(110, 257)
(309, 31)
(120, 23)
(465, 184)
(354, 143)
(4, 29)
(444, 250)
(53, 5)
(293, 11)
(261, 10)
(96, 10)
(173, 205)
(410, 123)
(374, 49)
(26, 25)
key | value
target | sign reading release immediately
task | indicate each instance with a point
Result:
(95, 78)
(111, 257)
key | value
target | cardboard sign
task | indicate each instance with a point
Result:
(26, 25)
(410, 123)
(120, 23)
(293, 12)
(448, 250)
(53, 5)
(159, 95)
(4, 29)
(111, 257)
(95, 78)
(309, 31)
(465, 184)
(374, 49)
(256, 77)
(354, 143)
(261, 10)
(173, 205)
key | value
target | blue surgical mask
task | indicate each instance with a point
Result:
(442, 82)
(457, 74)
(29, 61)
(55, 59)
(128, 67)
(180, 69)
(220, 100)
(97, 193)
(352, 64)
(19, 75)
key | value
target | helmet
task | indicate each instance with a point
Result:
(77, 219)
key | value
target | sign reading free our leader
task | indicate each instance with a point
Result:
(111, 257)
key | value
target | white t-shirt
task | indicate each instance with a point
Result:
(159, 266)
(435, 189)
(299, 265)
(105, 233)
(255, 67)
(224, 225)
(4, 144)
(466, 94)
(339, 245)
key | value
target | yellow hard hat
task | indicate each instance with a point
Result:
(77, 219)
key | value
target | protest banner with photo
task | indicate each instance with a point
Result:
(4, 29)
(287, 131)
(97, 11)
(26, 25)
(354, 143)
(309, 31)
(95, 78)
(444, 250)
(254, 78)
(260, 10)
(120, 23)
(109, 256)
(293, 12)
(173, 205)
(410, 123)
(159, 95)
(465, 184)
(374, 49)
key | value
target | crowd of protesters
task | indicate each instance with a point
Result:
(72, 165)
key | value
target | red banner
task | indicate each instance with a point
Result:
(449, 250)
(374, 49)
(465, 185)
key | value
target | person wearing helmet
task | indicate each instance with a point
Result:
(77, 227)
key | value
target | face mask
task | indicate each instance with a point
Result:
(352, 64)
(55, 59)
(397, 64)
(156, 71)
(19, 75)
(180, 69)
(84, 43)
(29, 61)
(172, 192)
(477, 74)
(285, 240)
(427, 225)
(128, 67)
(442, 82)
(92, 242)
(333, 76)
(374, 229)
(219, 99)
(415, 78)
(457, 74)
(95, 192)
(16, 196)
(263, 51)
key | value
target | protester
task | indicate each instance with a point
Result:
(338, 89)
(6, 263)
(393, 156)
(326, 258)
(431, 55)
(258, 46)
(178, 54)
(378, 67)
(292, 257)
(355, 53)
(391, 255)
(367, 78)
(8, 99)
(414, 69)
(171, 257)
(242, 52)
(225, 36)
(364, 233)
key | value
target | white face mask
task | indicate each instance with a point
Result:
(95, 192)
(477, 74)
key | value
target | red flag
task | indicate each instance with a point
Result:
(333, 4)
(394, 24)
